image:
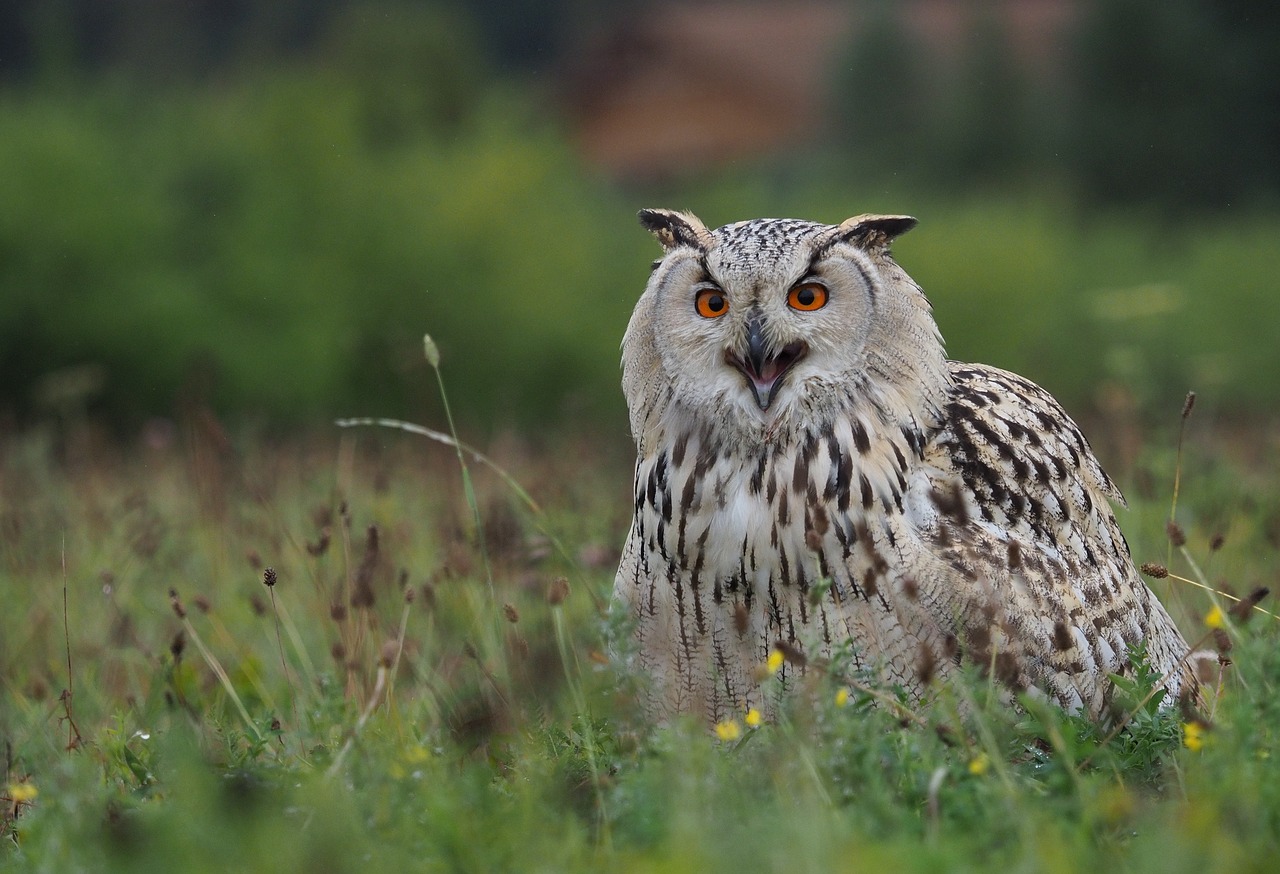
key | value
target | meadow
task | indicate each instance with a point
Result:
(226, 651)
(236, 636)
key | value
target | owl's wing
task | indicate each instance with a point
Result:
(1013, 503)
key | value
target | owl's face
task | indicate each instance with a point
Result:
(759, 320)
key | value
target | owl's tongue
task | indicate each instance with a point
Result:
(763, 372)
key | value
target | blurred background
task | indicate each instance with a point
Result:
(257, 209)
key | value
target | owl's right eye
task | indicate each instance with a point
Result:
(711, 303)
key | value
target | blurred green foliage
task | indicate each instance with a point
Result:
(274, 236)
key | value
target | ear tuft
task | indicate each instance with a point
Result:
(674, 229)
(874, 231)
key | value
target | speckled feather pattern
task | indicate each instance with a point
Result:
(928, 511)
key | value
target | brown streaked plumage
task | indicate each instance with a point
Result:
(812, 470)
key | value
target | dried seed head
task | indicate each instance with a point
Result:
(926, 664)
(387, 655)
(269, 577)
(950, 503)
(509, 611)
(1008, 670)
(410, 593)
(178, 644)
(1154, 570)
(869, 587)
(1242, 611)
(1216, 541)
(362, 589)
(1221, 640)
(176, 603)
(338, 611)
(275, 724)
(1188, 404)
(741, 620)
(321, 546)
(338, 651)
(979, 638)
(557, 591)
(362, 597)
(791, 652)
(950, 647)
(1177, 536)
(910, 589)
(202, 603)
(255, 560)
(518, 645)
(257, 605)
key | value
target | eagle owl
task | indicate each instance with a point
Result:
(812, 470)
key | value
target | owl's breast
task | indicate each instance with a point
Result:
(750, 520)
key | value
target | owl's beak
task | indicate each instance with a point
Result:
(762, 370)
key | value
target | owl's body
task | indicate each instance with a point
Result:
(812, 470)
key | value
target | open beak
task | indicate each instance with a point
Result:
(762, 370)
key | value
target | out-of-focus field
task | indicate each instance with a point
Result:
(259, 249)
(224, 225)
(403, 697)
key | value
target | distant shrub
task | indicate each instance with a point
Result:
(268, 247)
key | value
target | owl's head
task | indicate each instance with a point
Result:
(763, 324)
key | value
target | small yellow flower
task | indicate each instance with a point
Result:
(729, 730)
(1215, 618)
(1194, 735)
(23, 793)
(842, 697)
(753, 718)
(417, 754)
(774, 664)
(979, 764)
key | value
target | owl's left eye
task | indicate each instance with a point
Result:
(711, 303)
(807, 297)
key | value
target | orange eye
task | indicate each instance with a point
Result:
(711, 303)
(807, 297)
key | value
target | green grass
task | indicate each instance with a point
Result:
(383, 709)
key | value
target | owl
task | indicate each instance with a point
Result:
(813, 474)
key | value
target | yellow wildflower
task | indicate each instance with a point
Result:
(774, 664)
(417, 754)
(729, 730)
(979, 764)
(753, 718)
(1194, 736)
(842, 697)
(23, 793)
(1215, 618)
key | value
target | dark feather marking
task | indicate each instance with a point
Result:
(757, 478)
(677, 454)
(800, 475)
(860, 438)
(902, 463)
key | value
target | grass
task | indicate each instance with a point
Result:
(381, 706)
